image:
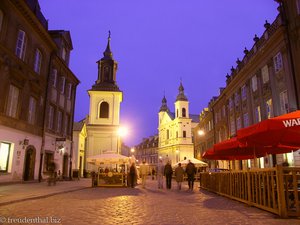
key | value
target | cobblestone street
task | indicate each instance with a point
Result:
(136, 206)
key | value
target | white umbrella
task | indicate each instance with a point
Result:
(197, 162)
(107, 158)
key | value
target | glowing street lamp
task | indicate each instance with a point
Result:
(122, 132)
(201, 132)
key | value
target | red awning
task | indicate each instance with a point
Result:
(283, 130)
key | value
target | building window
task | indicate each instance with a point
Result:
(244, 92)
(62, 84)
(50, 117)
(21, 45)
(104, 110)
(246, 120)
(12, 101)
(49, 157)
(59, 121)
(32, 110)
(176, 134)
(223, 111)
(168, 134)
(37, 61)
(184, 134)
(254, 83)
(232, 127)
(66, 124)
(284, 103)
(230, 104)
(237, 98)
(265, 74)
(269, 108)
(277, 62)
(257, 114)
(298, 6)
(238, 123)
(1, 19)
(177, 113)
(69, 91)
(54, 77)
(183, 112)
(4, 156)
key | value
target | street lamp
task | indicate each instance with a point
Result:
(132, 151)
(201, 132)
(122, 131)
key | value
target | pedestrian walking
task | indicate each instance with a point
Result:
(132, 175)
(191, 171)
(168, 171)
(160, 174)
(143, 173)
(153, 173)
(179, 172)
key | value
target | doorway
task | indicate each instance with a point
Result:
(65, 166)
(29, 164)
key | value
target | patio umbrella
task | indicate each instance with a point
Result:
(107, 158)
(279, 131)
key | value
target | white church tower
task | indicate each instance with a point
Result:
(104, 114)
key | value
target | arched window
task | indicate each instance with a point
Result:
(183, 112)
(104, 110)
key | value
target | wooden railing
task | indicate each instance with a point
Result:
(274, 189)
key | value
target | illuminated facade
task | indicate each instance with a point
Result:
(175, 129)
(264, 84)
(37, 94)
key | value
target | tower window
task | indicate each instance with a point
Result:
(104, 109)
(183, 112)
(184, 134)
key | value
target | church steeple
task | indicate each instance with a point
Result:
(107, 53)
(181, 96)
(164, 107)
(107, 68)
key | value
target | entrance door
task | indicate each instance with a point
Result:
(29, 164)
(65, 166)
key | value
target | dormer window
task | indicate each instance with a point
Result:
(64, 54)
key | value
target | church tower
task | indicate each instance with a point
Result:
(104, 113)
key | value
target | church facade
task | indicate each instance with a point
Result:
(175, 130)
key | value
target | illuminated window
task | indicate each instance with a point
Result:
(37, 61)
(104, 110)
(21, 44)
(12, 101)
(265, 74)
(32, 110)
(257, 114)
(277, 62)
(269, 108)
(4, 156)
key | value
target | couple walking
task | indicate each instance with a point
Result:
(190, 171)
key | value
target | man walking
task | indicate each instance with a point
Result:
(168, 171)
(190, 171)
(143, 172)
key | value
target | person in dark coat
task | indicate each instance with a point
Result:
(168, 171)
(179, 172)
(132, 174)
(190, 171)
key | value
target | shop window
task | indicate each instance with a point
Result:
(4, 156)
